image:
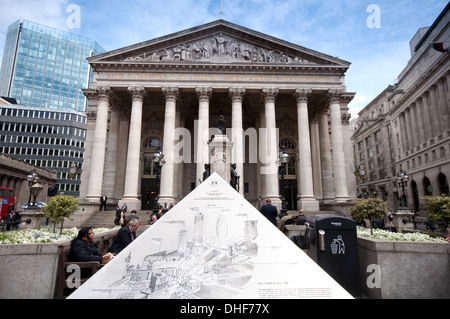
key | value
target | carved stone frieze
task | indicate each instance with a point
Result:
(218, 48)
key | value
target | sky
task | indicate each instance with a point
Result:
(372, 35)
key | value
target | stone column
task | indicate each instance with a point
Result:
(435, 114)
(443, 107)
(409, 128)
(340, 175)
(202, 138)
(270, 158)
(99, 145)
(262, 150)
(403, 133)
(420, 120)
(430, 132)
(237, 135)
(134, 150)
(325, 152)
(113, 147)
(167, 172)
(414, 125)
(307, 201)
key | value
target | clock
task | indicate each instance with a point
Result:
(73, 170)
(362, 172)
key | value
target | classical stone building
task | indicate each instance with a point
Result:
(407, 127)
(13, 174)
(168, 91)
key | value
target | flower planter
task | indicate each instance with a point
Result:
(404, 270)
(29, 271)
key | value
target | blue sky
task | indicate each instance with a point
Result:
(375, 41)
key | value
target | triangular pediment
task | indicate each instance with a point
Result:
(219, 42)
(212, 244)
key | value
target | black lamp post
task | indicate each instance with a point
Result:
(35, 187)
(158, 159)
(283, 159)
(402, 180)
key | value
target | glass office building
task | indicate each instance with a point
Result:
(45, 67)
(43, 72)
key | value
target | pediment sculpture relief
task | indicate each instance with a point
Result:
(218, 48)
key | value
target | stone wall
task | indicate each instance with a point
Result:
(29, 271)
(404, 270)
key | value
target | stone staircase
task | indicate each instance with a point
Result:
(106, 219)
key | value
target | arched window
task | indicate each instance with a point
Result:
(443, 184)
(152, 143)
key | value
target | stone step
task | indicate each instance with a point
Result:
(105, 219)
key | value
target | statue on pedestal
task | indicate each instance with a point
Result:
(221, 123)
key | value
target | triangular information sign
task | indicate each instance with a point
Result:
(212, 245)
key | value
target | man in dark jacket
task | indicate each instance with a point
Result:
(125, 236)
(83, 248)
(270, 211)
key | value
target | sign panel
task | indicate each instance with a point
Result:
(212, 245)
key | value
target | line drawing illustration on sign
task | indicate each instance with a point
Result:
(211, 245)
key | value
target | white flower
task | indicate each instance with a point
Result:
(387, 235)
(38, 236)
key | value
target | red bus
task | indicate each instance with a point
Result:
(7, 201)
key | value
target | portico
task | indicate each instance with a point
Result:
(170, 91)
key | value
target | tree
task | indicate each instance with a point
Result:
(59, 207)
(371, 208)
(438, 209)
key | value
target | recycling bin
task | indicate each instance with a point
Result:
(332, 244)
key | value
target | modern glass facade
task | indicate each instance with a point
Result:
(45, 67)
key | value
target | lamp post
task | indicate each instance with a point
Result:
(158, 159)
(283, 159)
(402, 180)
(35, 187)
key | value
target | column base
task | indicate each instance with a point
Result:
(133, 203)
(167, 199)
(276, 201)
(308, 205)
(93, 199)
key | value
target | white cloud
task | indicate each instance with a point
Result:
(51, 13)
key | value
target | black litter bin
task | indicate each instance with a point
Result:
(332, 244)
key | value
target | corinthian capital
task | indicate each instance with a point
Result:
(204, 94)
(171, 93)
(334, 95)
(104, 92)
(236, 94)
(270, 95)
(302, 95)
(137, 93)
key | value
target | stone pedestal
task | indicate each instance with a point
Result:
(403, 220)
(220, 156)
(34, 214)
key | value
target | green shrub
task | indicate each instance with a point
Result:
(59, 207)
(438, 209)
(370, 208)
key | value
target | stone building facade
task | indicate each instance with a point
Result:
(407, 127)
(170, 92)
(13, 174)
